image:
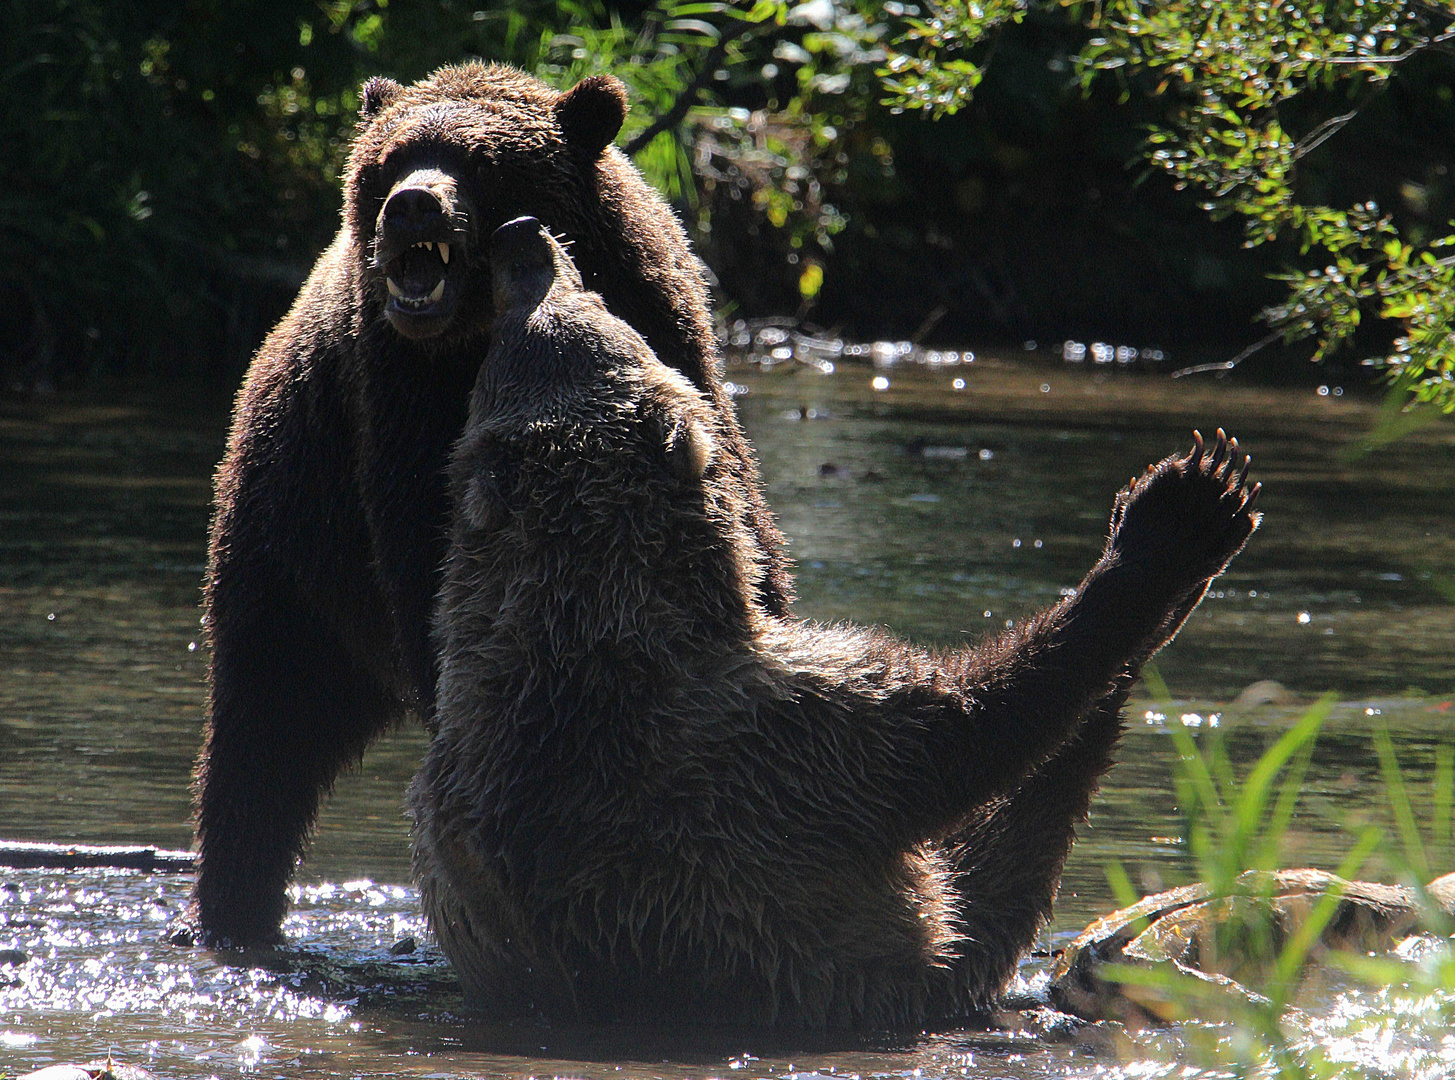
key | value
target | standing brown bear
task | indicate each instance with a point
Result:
(651, 798)
(331, 511)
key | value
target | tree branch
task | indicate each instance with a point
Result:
(685, 100)
(1398, 58)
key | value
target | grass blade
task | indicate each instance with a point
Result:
(1399, 803)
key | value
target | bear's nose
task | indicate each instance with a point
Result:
(413, 209)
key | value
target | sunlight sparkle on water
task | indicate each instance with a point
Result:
(1389, 1032)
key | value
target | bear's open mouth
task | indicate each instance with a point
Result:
(423, 279)
(418, 276)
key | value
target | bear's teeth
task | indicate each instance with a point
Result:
(437, 291)
(445, 254)
(394, 290)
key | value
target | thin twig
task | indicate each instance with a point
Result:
(1228, 365)
(1322, 134)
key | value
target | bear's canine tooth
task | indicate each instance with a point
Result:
(394, 290)
(445, 253)
(437, 291)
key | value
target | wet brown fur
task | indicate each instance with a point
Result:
(651, 799)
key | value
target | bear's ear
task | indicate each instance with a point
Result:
(591, 113)
(688, 449)
(378, 92)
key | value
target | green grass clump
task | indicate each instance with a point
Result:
(1234, 824)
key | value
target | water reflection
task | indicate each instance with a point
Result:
(908, 504)
(97, 976)
(942, 512)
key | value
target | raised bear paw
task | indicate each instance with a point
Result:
(1185, 518)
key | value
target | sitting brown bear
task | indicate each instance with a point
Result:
(648, 797)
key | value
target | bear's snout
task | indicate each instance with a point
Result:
(421, 238)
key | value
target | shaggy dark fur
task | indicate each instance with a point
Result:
(649, 798)
(331, 509)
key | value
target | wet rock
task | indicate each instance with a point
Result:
(1264, 692)
(95, 1070)
(1442, 891)
(1046, 1025)
(13, 957)
(182, 930)
(403, 946)
(1230, 940)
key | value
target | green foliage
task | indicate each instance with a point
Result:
(152, 186)
(172, 170)
(1263, 85)
(1253, 91)
(1231, 825)
(933, 65)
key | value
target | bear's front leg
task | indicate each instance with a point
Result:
(302, 674)
(1173, 530)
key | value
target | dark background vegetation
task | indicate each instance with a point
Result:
(171, 170)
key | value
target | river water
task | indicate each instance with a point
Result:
(939, 499)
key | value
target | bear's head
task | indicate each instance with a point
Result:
(561, 363)
(436, 167)
(589, 468)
